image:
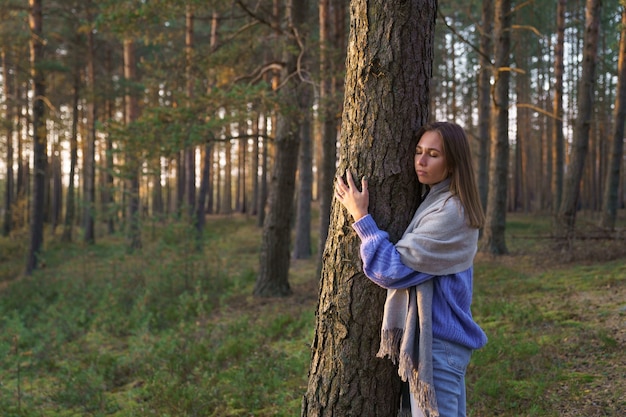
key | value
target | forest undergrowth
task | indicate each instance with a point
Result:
(172, 331)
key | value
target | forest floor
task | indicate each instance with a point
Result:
(587, 305)
(168, 332)
(582, 318)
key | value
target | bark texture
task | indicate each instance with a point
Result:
(389, 66)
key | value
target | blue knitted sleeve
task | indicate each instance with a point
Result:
(381, 260)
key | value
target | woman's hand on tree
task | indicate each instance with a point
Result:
(355, 201)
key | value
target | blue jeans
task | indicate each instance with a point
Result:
(450, 362)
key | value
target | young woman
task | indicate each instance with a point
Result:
(428, 329)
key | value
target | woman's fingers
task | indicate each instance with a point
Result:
(355, 201)
(350, 179)
(341, 188)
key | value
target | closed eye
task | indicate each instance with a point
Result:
(431, 152)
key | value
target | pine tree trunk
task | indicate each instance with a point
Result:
(89, 159)
(389, 67)
(566, 218)
(254, 169)
(242, 145)
(204, 191)
(484, 100)
(56, 192)
(157, 189)
(272, 279)
(108, 199)
(262, 197)
(610, 197)
(226, 204)
(524, 148)
(190, 148)
(132, 162)
(493, 240)
(302, 244)
(7, 78)
(40, 157)
(218, 179)
(557, 135)
(70, 203)
(331, 19)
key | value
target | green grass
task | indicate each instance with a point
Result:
(170, 331)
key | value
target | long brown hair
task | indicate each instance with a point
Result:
(459, 163)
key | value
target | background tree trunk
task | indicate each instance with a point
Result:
(108, 198)
(332, 55)
(254, 168)
(70, 203)
(8, 114)
(56, 186)
(205, 182)
(190, 148)
(302, 243)
(227, 196)
(566, 217)
(611, 186)
(493, 234)
(557, 134)
(262, 197)
(272, 279)
(132, 162)
(484, 99)
(89, 158)
(527, 161)
(40, 146)
(386, 102)
(240, 187)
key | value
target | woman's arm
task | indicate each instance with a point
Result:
(381, 261)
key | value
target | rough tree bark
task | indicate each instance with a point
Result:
(389, 67)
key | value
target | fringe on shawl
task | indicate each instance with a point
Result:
(390, 344)
(423, 392)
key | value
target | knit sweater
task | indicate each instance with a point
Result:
(439, 245)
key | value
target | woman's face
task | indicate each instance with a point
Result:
(430, 162)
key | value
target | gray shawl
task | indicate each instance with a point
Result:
(437, 242)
